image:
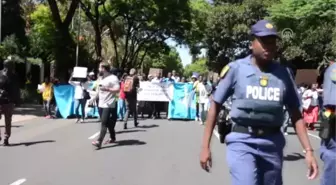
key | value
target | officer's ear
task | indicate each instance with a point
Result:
(251, 39)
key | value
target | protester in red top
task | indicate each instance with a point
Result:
(122, 97)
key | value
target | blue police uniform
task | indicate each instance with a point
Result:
(257, 101)
(328, 147)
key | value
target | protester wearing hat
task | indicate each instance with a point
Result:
(260, 87)
(9, 96)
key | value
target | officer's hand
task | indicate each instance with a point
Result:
(312, 166)
(205, 159)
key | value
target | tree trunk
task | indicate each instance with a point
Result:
(65, 46)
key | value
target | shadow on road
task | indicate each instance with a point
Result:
(291, 133)
(13, 126)
(128, 142)
(129, 131)
(148, 126)
(293, 157)
(31, 143)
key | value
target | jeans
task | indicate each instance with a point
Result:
(80, 103)
(47, 107)
(202, 111)
(121, 108)
(285, 121)
(108, 121)
(7, 111)
(131, 104)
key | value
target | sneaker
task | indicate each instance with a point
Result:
(109, 141)
(78, 120)
(286, 134)
(136, 124)
(125, 126)
(6, 143)
(96, 144)
(82, 121)
(201, 123)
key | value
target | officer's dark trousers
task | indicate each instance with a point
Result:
(255, 161)
(108, 121)
(328, 156)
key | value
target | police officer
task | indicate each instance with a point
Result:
(260, 87)
(327, 133)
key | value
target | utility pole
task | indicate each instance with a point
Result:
(78, 33)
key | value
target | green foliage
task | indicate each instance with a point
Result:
(313, 25)
(13, 22)
(11, 47)
(42, 34)
(228, 27)
(167, 61)
(198, 66)
(200, 10)
(134, 34)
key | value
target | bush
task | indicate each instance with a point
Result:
(30, 96)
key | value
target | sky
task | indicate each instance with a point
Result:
(183, 51)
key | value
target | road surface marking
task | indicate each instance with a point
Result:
(94, 135)
(18, 182)
(314, 136)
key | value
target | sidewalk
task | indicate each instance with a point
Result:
(27, 112)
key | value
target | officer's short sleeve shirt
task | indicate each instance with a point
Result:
(226, 85)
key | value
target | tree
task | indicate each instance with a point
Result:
(13, 21)
(92, 11)
(309, 25)
(64, 49)
(198, 66)
(138, 24)
(167, 61)
(228, 28)
(42, 33)
(200, 10)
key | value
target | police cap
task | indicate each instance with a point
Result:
(263, 28)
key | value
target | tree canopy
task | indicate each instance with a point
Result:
(134, 33)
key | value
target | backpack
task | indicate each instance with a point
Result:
(128, 85)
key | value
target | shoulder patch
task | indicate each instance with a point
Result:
(224, 71)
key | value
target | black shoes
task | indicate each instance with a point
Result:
(6, 143)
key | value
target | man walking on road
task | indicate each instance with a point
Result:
(9, 96)
(107, 94)
(131, 86)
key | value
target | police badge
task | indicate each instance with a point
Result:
(263, 81)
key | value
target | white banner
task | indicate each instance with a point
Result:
(162, 92)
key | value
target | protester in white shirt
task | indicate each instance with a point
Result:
(81, 96)
(175, 77)
(204, 90)
(156, 114)
(109, 87)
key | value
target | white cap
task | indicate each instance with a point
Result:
(91, 74)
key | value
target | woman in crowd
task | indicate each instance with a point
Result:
(122, 97)
(311, 106)
(47, 96)
(81, 96)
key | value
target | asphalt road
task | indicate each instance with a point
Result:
(159, 152)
